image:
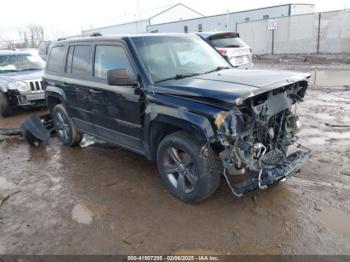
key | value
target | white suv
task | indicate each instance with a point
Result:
(230, 45)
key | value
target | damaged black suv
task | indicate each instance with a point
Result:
(174, 99)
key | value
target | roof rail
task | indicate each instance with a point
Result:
(76, 36)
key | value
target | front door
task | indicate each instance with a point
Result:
(116, 110)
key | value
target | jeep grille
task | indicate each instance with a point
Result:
(36, 86)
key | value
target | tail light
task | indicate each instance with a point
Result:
(222, 51)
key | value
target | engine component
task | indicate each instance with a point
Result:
(292, 124)
(258, 150)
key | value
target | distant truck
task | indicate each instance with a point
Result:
(231, 46)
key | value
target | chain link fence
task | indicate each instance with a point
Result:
(317, 33)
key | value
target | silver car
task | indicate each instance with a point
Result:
(230, 45)
(20, 80)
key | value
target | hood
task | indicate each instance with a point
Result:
(24, 75)
(228, 85)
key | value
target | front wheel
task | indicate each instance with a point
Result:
(4, 106)
(189, 173)
(65, 128)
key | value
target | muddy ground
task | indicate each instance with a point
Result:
(105, 200)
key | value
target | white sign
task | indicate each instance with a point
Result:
(272, 24)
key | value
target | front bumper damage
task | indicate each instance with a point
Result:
(271, 175)
(257, 137)
(17, 99)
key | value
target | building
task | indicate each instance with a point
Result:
(174, 13)
(228, 21)
(183, 19)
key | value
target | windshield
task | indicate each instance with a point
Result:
(233, 42)
(20, 62)
(169, 57)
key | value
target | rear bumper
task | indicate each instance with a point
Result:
(271, 175)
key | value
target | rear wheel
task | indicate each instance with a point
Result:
(65, 128)
(190, 174)
(4, 106)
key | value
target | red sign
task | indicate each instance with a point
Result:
(272, 24)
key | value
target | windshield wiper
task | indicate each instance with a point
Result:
(177, 76)
(219, 68)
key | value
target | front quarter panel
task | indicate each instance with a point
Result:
(52, 90)
(181, 115)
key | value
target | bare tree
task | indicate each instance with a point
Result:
(32, 35)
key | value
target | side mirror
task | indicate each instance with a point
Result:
(120, 77)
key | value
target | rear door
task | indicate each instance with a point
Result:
(116, 110)
(78, 75)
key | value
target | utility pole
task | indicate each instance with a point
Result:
(227, 20)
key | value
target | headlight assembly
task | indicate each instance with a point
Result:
(22, 87)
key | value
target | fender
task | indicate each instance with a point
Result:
(180, 117)
(55, 92)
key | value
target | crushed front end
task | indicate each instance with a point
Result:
(258, 137)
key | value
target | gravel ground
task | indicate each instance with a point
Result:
(105, 200)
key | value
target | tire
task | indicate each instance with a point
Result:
(65, 128)
(189, 174)
(4, 106)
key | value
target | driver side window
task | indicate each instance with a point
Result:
(109, 57)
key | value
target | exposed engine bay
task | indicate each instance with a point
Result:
(258, 135)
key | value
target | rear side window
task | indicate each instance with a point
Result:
(55, 61)
(78, 60)
(110, 57)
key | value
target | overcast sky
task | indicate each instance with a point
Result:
(69, 17)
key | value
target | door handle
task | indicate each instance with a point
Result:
(92, 91)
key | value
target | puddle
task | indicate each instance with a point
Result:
(336, 220)
(4, 185)
(330, 78)
(316, 140)
(334, 135)
(82, 214)
(312, 183)
(85, 213)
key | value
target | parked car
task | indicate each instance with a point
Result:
(231, 46)
(174, 99)
(20, 80)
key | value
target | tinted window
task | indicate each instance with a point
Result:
(56, 59)
(228, 42)
(110, 57)
(81, 60)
